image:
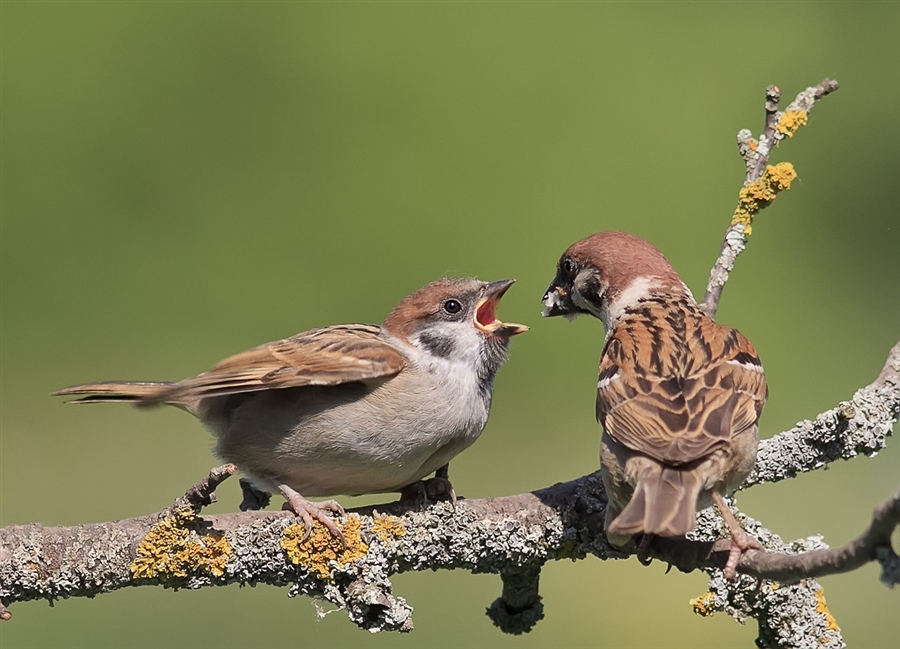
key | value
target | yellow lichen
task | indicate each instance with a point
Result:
(761, 193)
(388, 528)
(822, 607)
(781, 175)
(322, 547)
(173, 550)
(705, 605)
(790, 121)
(753, 144)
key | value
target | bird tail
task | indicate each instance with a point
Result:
(109, 391)
(664, 503)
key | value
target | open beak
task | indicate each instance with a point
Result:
(557, 301)
(486, 312)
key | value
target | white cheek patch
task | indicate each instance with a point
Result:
(465, 340)
(639, 289)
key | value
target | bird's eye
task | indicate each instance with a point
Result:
(452, 306)
(567, 266)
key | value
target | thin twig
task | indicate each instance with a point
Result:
(757, 163)
(756, 153)
(874, 543)
(202, 493)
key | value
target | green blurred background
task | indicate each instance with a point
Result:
(181, 181)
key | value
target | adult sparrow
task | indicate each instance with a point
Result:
(349, 409)
(679, 396)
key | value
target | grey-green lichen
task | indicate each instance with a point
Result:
(859, 426)
(788, 615)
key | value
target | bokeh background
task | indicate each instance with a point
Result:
(181, 181)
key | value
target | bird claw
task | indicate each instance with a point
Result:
(308, 511)
(741, 542)
(431, 490)
(439, 488)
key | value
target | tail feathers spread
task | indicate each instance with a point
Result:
(664, 503)
(115, 391)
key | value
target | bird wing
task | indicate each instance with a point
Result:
(325, 356)
(678, 399)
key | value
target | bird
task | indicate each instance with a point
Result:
(348, 409)
(679, 396)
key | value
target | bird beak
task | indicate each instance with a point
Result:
(557, 300)
(486, 312)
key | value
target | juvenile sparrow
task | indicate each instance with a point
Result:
(678, 395)
(349, 409)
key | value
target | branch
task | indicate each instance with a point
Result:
(790, 609)
(858, 426)
(874, 543)
(512, 536)
(762, 182)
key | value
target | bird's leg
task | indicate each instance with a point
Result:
(740, 540)
(309, 511)
(254, 498)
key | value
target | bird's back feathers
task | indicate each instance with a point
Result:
(677, 392)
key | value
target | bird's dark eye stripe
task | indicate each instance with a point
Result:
(452, 306)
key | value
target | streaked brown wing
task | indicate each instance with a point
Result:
(325, 356)
(691, 403)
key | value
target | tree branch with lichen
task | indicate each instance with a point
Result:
(513, 536)
(762, 182)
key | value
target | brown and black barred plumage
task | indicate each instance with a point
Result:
(678, 394)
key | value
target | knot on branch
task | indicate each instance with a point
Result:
(519, 608)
